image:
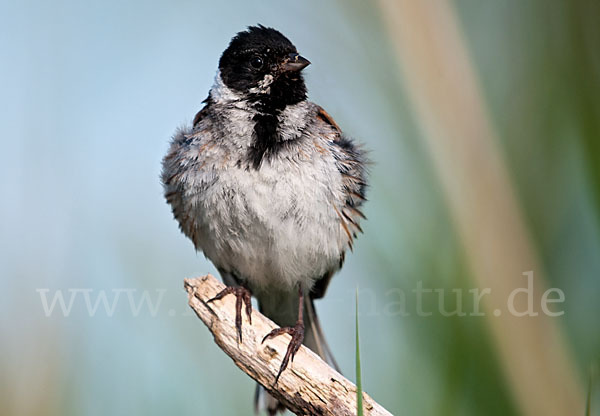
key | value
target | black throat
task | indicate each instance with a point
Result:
(266, 142)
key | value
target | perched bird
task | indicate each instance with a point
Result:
(268, 187)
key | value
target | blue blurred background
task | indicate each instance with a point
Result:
(91, 93)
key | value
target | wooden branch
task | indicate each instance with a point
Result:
(307, 387)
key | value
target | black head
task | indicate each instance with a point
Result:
(265, 66)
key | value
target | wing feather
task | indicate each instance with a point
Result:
(351, 161)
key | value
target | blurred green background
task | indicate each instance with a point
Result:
(91, 93)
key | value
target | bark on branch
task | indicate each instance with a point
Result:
(307, 387)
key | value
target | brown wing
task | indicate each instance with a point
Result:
(176, 168)
(202, 113)
(325, 117)
(351, 161)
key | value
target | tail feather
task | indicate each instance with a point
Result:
(313, 334)
(313, 339)
(264, 401)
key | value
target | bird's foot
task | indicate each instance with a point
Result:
(242, 295)
(297, 333)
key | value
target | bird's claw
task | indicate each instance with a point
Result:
(242, 295)
(297, 333)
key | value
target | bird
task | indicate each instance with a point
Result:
(268, 187)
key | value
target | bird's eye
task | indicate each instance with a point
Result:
(256, 62)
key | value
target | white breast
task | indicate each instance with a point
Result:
(275, 226)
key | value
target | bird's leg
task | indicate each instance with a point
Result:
(242, 295)
(296, 331)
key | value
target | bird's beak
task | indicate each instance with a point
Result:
(295, 62)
